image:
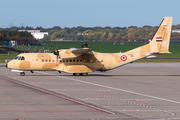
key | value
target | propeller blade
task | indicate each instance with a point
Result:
(56, 59)
(57, 52)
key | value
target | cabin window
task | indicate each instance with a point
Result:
(46, 60)
(36, 59)
(84, 60)
(70, 60)
(101, 60)
(91, 60)
(80, 60)
(22, 58)
(63, 60)
(60, 61)
(98, 60)
(49, 60)
(52, 60)
(42, 60)
(87, 60)
(94, 60)
(77, 60)
(66, 60)
(73, 60)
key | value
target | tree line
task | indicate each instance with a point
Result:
(97, 33)
(108, 33)
(20, 37)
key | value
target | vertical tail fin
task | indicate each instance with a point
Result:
(161, 39)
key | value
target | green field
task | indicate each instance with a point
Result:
(9, 53)
(109, 47)
(104, 47)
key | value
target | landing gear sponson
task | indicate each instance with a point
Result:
(80, 74)
(75, 74)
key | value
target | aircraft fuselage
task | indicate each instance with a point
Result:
(84, 60)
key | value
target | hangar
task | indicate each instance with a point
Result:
(36, 33)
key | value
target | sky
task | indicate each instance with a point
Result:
(87, 13)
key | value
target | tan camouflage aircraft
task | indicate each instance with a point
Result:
(84, 60)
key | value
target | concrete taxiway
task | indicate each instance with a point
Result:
(135, 91)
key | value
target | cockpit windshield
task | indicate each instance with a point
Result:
(16, 57)
(19, 58)
(22, 58)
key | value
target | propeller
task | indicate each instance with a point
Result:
(56, 53)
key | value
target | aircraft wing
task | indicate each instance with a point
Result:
(72, 53)
(82, 51)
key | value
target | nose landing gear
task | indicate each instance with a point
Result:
(22, 73)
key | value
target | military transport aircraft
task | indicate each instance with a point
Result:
(84, 60)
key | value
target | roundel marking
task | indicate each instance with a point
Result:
(123, 57)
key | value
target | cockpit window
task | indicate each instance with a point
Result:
(19, 58)
(22, 58)
(16, 57)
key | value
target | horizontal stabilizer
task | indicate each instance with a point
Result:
(151, 56)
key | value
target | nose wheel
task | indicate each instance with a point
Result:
(22, 73)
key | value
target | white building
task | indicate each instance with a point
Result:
(36, 33)
(178, 31)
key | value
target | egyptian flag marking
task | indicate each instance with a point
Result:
(158, 39)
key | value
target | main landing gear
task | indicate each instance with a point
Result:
(80, 74)
(23, 73)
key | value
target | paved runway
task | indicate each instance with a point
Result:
(143, 90)
(18, 102)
